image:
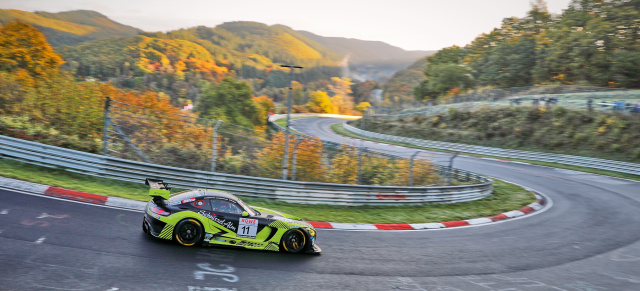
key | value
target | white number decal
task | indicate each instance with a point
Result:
(247, 227)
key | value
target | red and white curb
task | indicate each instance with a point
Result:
(67, 194)
(91, 198)
(540, 203)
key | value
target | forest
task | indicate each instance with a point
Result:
(39, 101)
(593, 42)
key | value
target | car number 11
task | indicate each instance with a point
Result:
(247, 227)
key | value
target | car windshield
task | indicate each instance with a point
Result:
(251, 211)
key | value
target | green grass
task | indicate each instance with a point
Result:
(506, 197)
(338, 128)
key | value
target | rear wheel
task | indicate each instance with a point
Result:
(188, 232)
(293, 240)
(145, 228)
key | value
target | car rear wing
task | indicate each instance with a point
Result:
(159, 189)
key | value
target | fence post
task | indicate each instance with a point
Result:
(445, 179)
(360, 151)
(295, 157)
(411, 168)
(214, 150)
(105, 129)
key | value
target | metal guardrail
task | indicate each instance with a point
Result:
(616, 166)
(282, 190)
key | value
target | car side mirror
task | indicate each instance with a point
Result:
(245, 214)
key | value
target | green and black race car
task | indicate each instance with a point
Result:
(212, 217)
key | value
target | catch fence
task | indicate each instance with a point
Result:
(184, 141)
(570, 96)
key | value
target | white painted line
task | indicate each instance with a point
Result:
(362, 226)
(125, 203)
(40, 240)
(430, 225)
(481, 220)
(514, 213)
(4, 211)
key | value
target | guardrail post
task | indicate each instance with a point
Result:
(214, 148)
(295, 157)
(411, 168)
(105, 128)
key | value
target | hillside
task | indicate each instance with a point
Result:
(369, 60)
(70, 27)
(247, 48)
(399, 88)
(544, 129)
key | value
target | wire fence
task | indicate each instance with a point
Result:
(185, 141)
(570, 96)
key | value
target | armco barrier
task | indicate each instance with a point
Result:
(610, 165)
(289, 191)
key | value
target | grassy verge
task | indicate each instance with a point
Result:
(506, 197)
(338, 128)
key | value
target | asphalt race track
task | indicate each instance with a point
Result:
(588, 239)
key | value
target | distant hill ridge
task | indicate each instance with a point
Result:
(243, 41)
(71, 27)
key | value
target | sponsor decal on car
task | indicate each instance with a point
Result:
(223, 222)
(198, 203)
(248, 244)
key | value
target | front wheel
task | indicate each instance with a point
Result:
(294, 240)
(188, 232)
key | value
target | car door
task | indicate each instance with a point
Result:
(225, 215)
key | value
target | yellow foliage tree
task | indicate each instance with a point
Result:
(424, 173)
(343, 168)
(320, 103)
(309, 166)
(23, 46)
(342, 100)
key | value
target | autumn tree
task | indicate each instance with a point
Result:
(343, 168)
(342, 100)
(309, 165)
(23, 46)
(308, 158)
(424, 173)
(264, 105)
(320, 102)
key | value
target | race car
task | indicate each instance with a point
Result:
(213, 217)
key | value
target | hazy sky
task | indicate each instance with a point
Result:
(409, 24)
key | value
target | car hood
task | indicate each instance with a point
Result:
(277, 215)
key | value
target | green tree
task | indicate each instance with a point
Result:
(228, 101)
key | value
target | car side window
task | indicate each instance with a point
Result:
(225, 206)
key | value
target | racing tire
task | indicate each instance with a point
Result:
(145, 228)
(293, 241)
(188, 232)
